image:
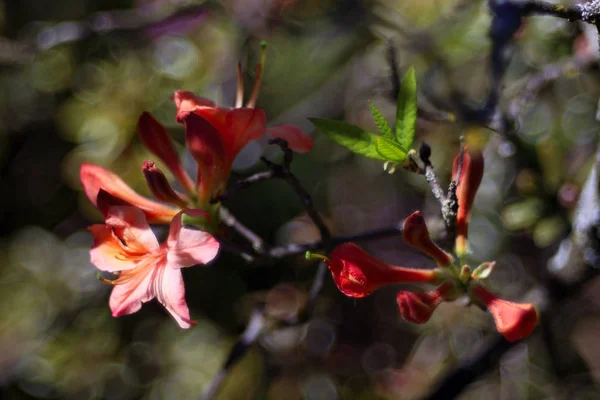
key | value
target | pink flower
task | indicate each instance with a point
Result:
(125, 245)
(95, 178)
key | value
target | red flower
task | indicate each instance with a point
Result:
(358, 274)
(418, 307)
(513, 320)
(415, 233)
(471, 172)
(215, 135)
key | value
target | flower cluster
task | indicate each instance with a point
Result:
(358, 274)
(125, 245)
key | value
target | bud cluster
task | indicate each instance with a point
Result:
(358, 274)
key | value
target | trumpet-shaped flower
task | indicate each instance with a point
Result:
(513, 320)
(125, 245)
(358, 274)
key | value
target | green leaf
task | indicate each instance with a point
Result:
(352, 137)
(382, 125)
(406, 110)
(390, 150)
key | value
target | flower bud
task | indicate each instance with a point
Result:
(358, 274)
(160, 186)
(513, 320)
(156, 139)
(415, 233)
(418, 307)
(471, 172)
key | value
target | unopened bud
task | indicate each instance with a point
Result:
(160, 186)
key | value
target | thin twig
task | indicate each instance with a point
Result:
(436, 189)
(243, 184)
(229, 220)
(256, 326)
(393, 64)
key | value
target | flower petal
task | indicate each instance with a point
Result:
(237, 127)
(107, 252)
(128, 296)
(242, 125)
(187, 102)
(188, 247)
(129, 224)
(156, 139)
(513, 320)
(298, 141)
(206, 146)
(94, 178)
(170, 292)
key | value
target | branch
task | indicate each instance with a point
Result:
(243, 184)
(256, 326)
(229, 220)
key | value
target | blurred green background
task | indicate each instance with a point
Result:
(75, 76)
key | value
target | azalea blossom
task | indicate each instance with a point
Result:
(358, 274)
(125, 245)
(214, 137)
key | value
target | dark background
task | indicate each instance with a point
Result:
(75, 75)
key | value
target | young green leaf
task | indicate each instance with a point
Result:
(390, 150)
(382, 125)
(406, 110)
(352, 137)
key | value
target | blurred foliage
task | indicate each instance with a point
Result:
(76, 76)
